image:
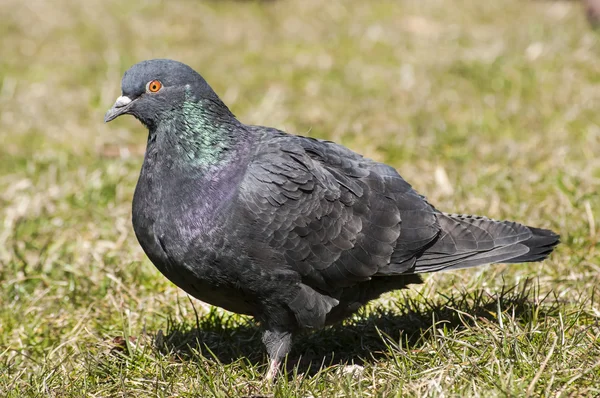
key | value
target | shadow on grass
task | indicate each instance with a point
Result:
(363, 339)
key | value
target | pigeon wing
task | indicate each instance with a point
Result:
(335, 216)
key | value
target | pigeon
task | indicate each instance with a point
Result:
(295, 231)
(592, 12)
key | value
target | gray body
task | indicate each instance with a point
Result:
(297, 232)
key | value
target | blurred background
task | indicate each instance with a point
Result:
(486, 107)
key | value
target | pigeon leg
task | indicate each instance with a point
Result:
(278, 344)
(273, 369)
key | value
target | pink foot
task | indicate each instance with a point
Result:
(273, 369)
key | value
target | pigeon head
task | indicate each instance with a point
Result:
(152, 90)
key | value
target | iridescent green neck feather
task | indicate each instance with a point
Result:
(202, 133)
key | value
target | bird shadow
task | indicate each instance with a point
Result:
(363, 339)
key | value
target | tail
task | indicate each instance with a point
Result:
(469, 241)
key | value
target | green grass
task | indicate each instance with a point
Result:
(486, 107)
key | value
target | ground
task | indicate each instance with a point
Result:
(486, 107)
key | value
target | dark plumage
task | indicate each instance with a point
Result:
(295, 231)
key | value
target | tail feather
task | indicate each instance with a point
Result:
(470, 241)
(541, 244)
(496, 255)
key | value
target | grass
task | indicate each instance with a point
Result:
(486, 107)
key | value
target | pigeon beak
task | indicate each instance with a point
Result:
(120, 107)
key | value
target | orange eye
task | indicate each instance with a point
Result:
(153, 86)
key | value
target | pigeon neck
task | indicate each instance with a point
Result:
(200, 135)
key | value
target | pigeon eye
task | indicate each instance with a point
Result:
(153, 86)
